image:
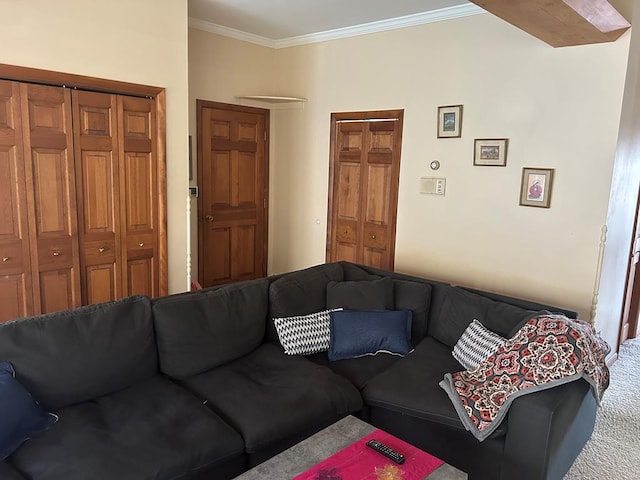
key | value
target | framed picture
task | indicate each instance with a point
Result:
(490, 152)
(535, 190)
(450, 121)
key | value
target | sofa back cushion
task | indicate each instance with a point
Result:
(414, 296)
(301, 292)
(202, 330)
(72, 356)
(361, 295)
(457, 308)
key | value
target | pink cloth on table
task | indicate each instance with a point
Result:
(359, 462)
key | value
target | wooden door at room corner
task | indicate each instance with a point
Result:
(363, 187)
(232, 203)
(629, 322)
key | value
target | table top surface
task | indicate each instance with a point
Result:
(323, 444)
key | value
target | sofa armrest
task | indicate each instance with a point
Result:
(547, 430)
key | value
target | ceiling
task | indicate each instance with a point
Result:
(281, 19)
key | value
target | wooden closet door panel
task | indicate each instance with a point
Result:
(16, 294)
(347, 191)
(379, 208)
(139, 198)
(364, 177)
(98, 191)
(50, 180)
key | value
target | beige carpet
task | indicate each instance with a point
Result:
(613, 452)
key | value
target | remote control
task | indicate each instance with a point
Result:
(386, 451)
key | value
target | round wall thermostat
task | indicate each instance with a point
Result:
(435, 165)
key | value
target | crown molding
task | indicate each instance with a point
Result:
(231, 32)
(364, 29)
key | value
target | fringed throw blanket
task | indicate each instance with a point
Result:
(548, 350)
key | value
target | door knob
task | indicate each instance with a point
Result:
(141, 244)
(209, 218)
(101, 249)
(373, 237)
(5, 259)
(56, 254)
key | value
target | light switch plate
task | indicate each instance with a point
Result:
(433, 185)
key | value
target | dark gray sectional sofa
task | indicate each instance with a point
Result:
(197, 385)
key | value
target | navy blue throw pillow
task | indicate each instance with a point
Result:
(22, 416)
(356, 333)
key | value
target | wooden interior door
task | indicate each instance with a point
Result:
(139, 215)
(631, 309)
(233, 180)
(98, 187)
(51, 197)
(16, 294)
(363, 187)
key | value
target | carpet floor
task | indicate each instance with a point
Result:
(613, 450)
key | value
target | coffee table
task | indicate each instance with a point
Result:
(323, 444)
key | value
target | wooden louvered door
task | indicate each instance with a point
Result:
(117, 190)
(363, 187)
(233, 178)
(16, 292)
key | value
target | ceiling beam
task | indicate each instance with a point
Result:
(561, 23)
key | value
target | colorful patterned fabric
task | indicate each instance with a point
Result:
(359, 462)
(548, 350)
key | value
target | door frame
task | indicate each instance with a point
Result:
(200, 104)
(158, 94)
(337, 117)
(631, 305)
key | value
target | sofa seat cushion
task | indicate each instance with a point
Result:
(7, 472)
(358, 371)
(153, 430)
(269, 396)
(411, 387)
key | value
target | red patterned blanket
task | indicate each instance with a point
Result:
(548, 350)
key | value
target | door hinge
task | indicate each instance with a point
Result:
(264, 203)
(265, 135)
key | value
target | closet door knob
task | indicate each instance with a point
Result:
(101, 249)
(373, 237)
(5, 259)
(141, 244)
(56, 254)
(209, 218)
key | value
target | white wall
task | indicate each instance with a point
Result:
(142, 42)
(560, 108)
(221, 69)
(623, 200)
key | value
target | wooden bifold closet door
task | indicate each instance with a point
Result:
(116, 182)
(79, 208)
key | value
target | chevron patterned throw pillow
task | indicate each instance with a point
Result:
(476, 344)
(304, 334)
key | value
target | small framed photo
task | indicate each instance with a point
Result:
(535, 190)
(490, 152)
(450, 121)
